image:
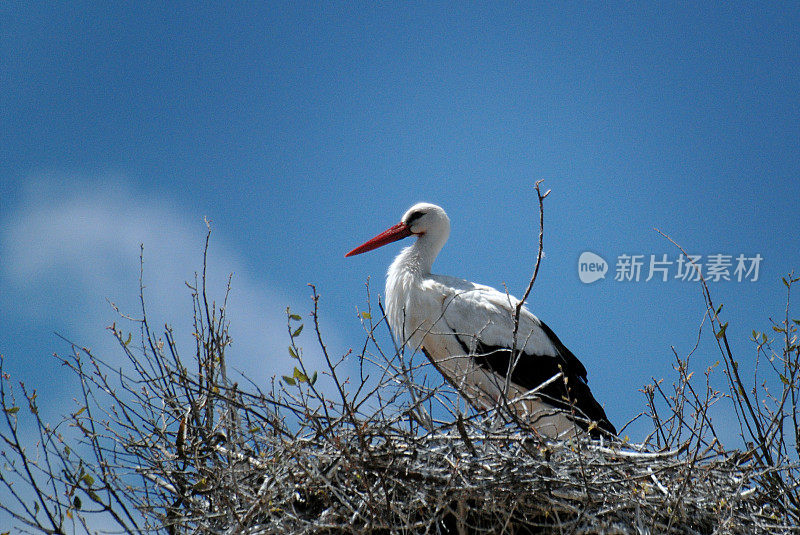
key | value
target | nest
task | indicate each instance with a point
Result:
(485, 481)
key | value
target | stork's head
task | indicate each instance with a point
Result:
(425, 220)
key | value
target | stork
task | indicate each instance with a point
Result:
(467, 331)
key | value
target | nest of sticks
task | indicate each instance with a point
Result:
(380, 480)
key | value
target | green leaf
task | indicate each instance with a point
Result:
(297, 332)
(293, 353)
(80, 411)
(785, 281)
(289, 380)
(300, 376)
(778, 329)
(76, 502)
(295, 317)
(89, 480)
(313, 378)
(12, 410)
(366, 315)
(784, 380)
(719, 309)
(764, 337)
(128, 341)
(722, 329)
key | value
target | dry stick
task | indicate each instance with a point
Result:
(793, 377)
(649, 392)
(690, 470)
(346, 405)
(16, 445)
(700, 407)
(103, 465)
(209, 343)
(406, 372)
(205, 351)
(41, 429)
(314, 390)
(525, 295)
(738, 386)
(517, 353)
(144, 324)
(793, 366)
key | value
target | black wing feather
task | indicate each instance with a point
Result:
(532, 370)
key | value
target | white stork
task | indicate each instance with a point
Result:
(466, 330)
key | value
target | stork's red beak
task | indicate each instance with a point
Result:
(397, 232)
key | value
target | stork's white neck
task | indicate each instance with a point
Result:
(417, 259)
(404, 279)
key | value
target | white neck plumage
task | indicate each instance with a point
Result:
(411, 266)
(417, 259)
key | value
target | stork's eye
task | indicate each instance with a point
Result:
(413, 217)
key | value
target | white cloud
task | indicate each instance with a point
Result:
(68, 246)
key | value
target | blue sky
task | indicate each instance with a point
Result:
(302, 129)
